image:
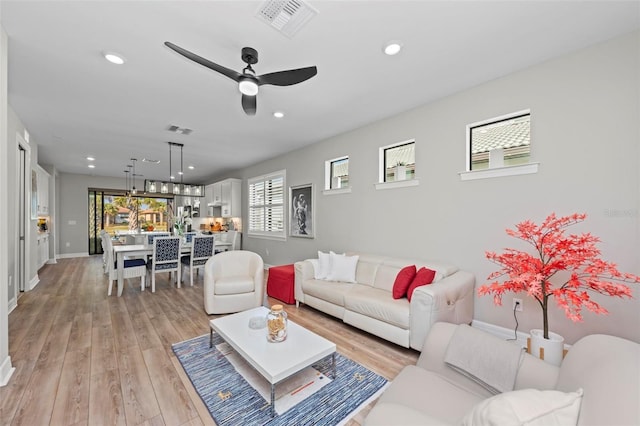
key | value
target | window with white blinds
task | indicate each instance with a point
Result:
(266, 205)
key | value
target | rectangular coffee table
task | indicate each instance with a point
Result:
(274, 361)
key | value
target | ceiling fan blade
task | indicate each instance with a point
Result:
(234, 75)
(249, 104)
(287, 78)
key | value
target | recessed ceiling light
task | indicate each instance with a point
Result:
(392, 48)
(191, 167)
(91, 159)
(92, 166)
(278, 114)
(114, 58)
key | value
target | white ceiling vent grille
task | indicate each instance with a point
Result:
(286, 16)
(179, 130)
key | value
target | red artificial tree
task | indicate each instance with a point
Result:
(555, 252)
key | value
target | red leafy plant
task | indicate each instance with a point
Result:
(555, 253)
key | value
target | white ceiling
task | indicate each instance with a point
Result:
(75, 104)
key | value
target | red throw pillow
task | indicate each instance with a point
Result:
(424, 276)
(403, 281)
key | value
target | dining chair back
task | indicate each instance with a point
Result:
(151, 237)
(202, 248)
(165, 258)
(188, 236)
(133, 268)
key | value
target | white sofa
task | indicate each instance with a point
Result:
(368, 304)
(233, 282)
(604, 369)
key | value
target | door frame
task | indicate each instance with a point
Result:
(24, 197)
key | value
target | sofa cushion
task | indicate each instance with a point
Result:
(377, 304)
(403, 281)
(329, 291)
(367, 270)
(343, 268)
(389, 413)
(324, 266)
(531, 407)
(234, 285)
(429, 393)
(424, 276)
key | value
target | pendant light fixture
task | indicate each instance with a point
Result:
(133, 181)
(172, 186)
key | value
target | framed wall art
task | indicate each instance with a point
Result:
(301, 212)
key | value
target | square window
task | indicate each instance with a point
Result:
(499, 142)
(398, 162)
(337, 173)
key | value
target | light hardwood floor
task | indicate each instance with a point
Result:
(83, 358)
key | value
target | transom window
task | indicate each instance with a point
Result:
(266, 205)
(499, 142)
(337, 173)
(398, 162)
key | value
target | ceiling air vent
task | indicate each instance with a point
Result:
(179, 130)
(287, 16)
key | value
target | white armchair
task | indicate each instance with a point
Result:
(233, 282)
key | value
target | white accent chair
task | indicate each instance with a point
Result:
(233, 282)
(165, 258)
(133, 268)
(202, 248)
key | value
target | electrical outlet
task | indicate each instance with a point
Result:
(517, 304)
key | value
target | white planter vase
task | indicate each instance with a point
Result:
(401, 173)
(553, 347)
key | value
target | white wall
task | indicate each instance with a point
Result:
(73, 210)
(585, 134)
(6, 368)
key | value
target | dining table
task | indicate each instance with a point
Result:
(122, 250)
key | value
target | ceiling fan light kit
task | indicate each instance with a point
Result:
(248, 81)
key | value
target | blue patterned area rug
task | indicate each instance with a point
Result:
(237, 395)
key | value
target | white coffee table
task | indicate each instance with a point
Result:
(274, 361)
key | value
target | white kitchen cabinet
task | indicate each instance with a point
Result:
(216, 197)
(43, 250)
(208, 195)
(231, 190)
(42, 194)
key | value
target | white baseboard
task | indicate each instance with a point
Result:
(52, 261)
(13, 303)
(33, 282)
(70, 255)
(501, 332)
(504, 333)
(6, 370)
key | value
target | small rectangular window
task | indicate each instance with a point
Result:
(337, 173)
(499, 142)
(398, 162)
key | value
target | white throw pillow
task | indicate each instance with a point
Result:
(324, 266)
(530, 407)
(343, 268)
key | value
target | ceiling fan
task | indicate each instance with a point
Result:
(248, 81)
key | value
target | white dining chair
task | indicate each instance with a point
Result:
(165, 258)
(202, 249)
(133, 268)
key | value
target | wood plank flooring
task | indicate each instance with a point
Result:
(83, 358)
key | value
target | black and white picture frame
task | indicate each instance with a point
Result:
(301, 212)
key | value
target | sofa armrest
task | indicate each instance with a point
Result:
(448, 300)
(303, 271)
